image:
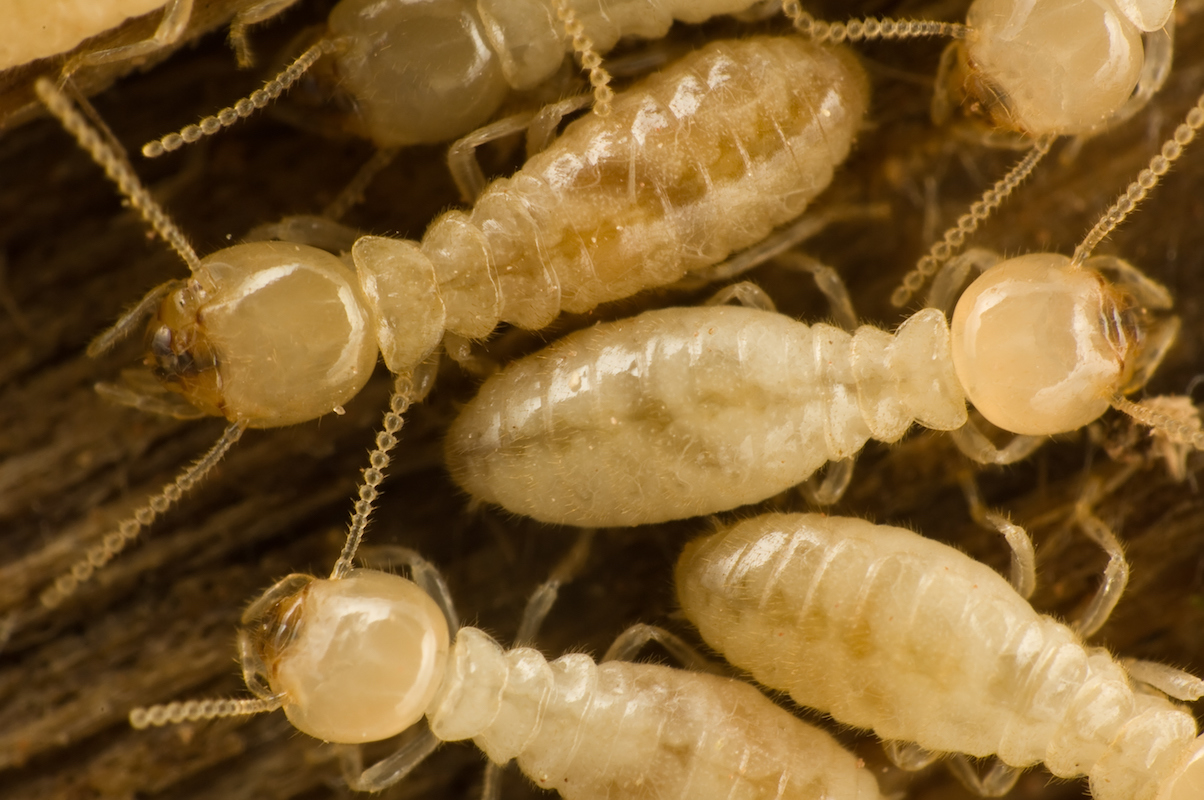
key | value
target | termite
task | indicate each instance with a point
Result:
(423, 73)
(38, 30)
(702, 159)
(681, 412)
(885, 629)
(1038, 69)
(365, 655)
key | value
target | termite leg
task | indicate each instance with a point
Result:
(387, 557)
(970, 439)
(1116, 573)
(837, 477)
(637, 637)
(746, 294)
(1169, 680)
(172, 25)
(909, 756)
(462, 160)
(828, 281)
(252, 15)
(1023, 575)
(953, 275)
(461, 350)
(320, 232)
(546, 121)
(390, 770)
(999, 780)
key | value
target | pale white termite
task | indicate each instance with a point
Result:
(365, 655)
(699, 160)
(35, 29)
(885, 629)
(1039, 69)
(38, 29)
(681, 412)
(433, 71)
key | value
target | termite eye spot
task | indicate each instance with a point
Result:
(160, 344)
(276, 628)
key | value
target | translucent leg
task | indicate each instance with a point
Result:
(837, 478)
(320, 232)
(462, 160)
(353, 193)
(635, 638)
(491, 787)
(744, 293)
(998, 780)
(252, 15)
(544, 597)
(132, 320)
(1116, 574)
(171, 27)
(970, 439)
(948, 283)
(1024, 560)
(909, 756)
(461, 350)
(422, 572)
(389, 771)
(141, 390)
(1167, 679)
(828, 281)
(545, 123)
(780, 241)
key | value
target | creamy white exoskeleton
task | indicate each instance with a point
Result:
(38, 29)
(1037, 69)
(429, 72)
(689, 411)
(681, 412)
(887, 630)
(693, 163)
(365, 656)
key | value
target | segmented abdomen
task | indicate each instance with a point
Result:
(700, 160)
(689, 411)
(635, 731)
(884, 629)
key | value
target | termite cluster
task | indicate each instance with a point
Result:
(156, 625)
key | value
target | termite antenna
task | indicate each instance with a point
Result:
(198, 710)
(131, 319)
(1176, 431)
(955, 237)
(117, 168)
(244, 107)
(113, 543)
(868, 29)
(1147, 179)
(583, 46)
(407, 390)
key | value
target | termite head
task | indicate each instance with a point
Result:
(420, 72)
(1058, 66)
(1041, 346)
(265, 334)
(353, 660)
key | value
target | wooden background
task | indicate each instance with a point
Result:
(159, 624)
